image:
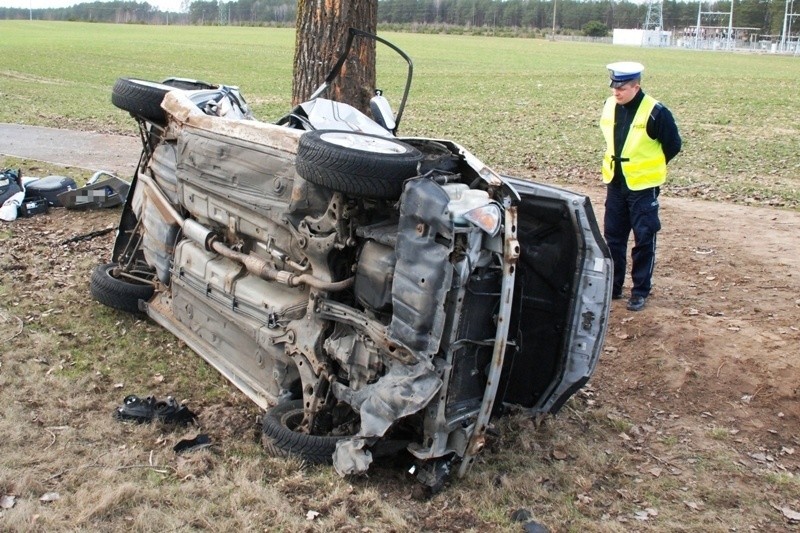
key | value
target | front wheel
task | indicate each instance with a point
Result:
(281, 439)
(117, 292)
(357, 164)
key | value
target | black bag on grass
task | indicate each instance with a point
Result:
(49, 188)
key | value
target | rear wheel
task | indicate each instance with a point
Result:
(116, 292)
(141, 98)
(357, 164)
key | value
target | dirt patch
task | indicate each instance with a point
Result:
(719, 337)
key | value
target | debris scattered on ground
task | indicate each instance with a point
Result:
(200, 442)
(90, 235)
(148, 409)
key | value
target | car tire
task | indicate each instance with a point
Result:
(280, 439)
(118, 293)
(141, 98)
(357, 164)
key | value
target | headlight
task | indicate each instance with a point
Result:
(486, 217)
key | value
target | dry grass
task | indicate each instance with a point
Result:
(67, 362)
(573, 473)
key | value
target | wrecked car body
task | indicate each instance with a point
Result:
(372, 292)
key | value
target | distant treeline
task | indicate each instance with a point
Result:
(512, 16)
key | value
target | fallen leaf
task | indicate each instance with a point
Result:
(311, 515)
(694, 506)
(559, 455)
(7, 501)
(49, 497)
(655, 472)
(789, 514)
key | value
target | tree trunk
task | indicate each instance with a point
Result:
(322, 28)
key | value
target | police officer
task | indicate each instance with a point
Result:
(641, 138)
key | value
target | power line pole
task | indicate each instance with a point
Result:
(223, 14)
(654, 21)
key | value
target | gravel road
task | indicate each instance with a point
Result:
(116, 154)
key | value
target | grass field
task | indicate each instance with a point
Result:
(526, 106)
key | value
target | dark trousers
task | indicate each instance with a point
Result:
(636, 211)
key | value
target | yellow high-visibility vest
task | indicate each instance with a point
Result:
(642, 159)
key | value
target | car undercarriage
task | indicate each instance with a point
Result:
(372, 292)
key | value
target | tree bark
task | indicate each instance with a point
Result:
(322, 28)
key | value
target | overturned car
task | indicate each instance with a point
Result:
(372, 292)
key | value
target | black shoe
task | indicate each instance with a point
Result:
(636, 303)
(616, 296)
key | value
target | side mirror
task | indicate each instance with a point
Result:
(382, 111)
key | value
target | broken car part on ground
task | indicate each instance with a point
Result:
(372, 292)
(29, 196)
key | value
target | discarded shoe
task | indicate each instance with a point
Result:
(192, 445)
(636, 303)
(146, 410)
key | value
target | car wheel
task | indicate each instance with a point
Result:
(141, 98)
(115, 292)
(281, 440)
(357, 164)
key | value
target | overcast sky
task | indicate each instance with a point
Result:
(172, 5)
